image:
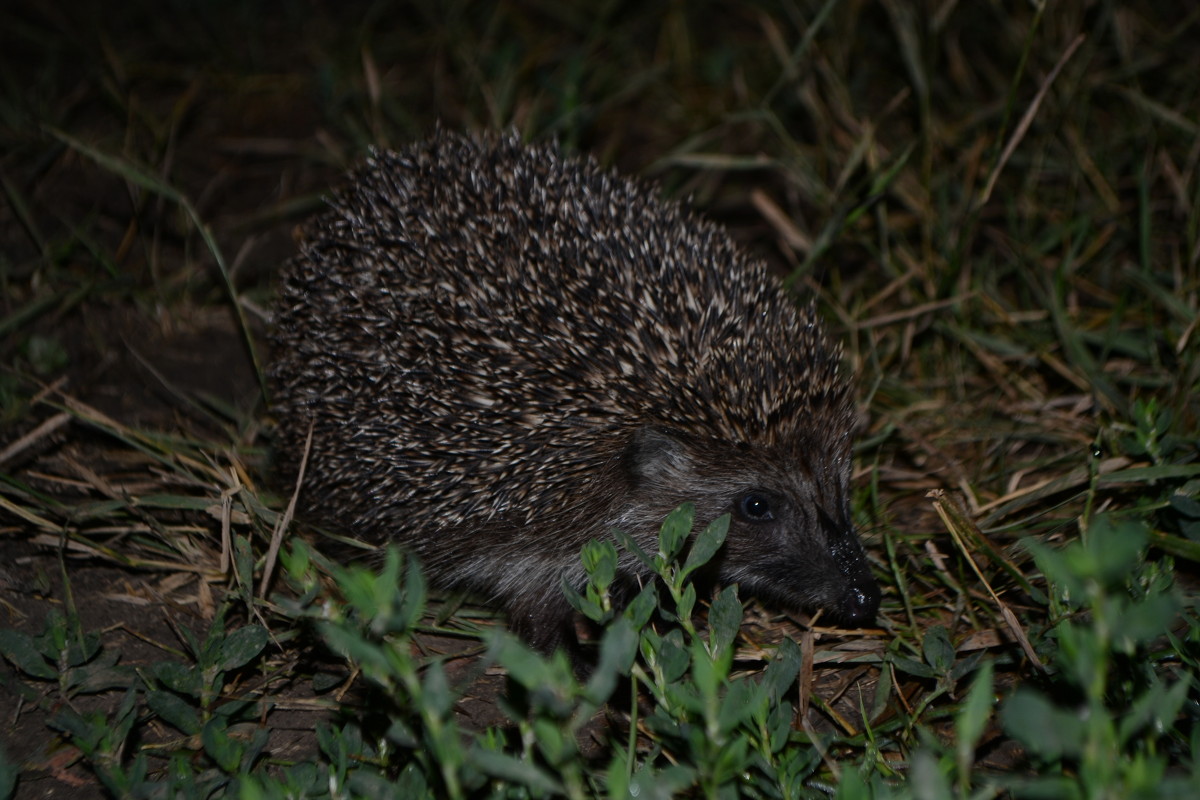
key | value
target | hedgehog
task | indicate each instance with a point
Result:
(503, 352)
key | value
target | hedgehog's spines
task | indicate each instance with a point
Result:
(480, 329)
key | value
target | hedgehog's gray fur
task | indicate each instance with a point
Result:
(504, 352)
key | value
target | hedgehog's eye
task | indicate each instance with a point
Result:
(755, 507)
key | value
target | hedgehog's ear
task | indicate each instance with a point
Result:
(658, 455)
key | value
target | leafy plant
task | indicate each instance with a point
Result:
(709, 730)
(1110, 727)
(188, 697)
(66, 655)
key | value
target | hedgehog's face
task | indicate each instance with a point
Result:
(793, 546)
(790, 539)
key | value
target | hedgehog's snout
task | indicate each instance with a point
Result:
(857, 600)
(860, 603)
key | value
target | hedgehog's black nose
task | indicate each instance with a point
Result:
(860, 604)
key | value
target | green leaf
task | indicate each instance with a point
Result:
(252, 745)
(436, 696)
(243, 562)
(629, 545)
(85, 730)
(738, 704)
(1081, 654)
(974, 714)
(673, 656)
(1142, 621)
(8, 776)
(1058, 571)
(648, 783)
(1187, 506)
(297, 562)
(367, 655)
(706, 671)
(524, 666)
(883, 694)
(101, 677)
(556, 744)
(965, 666)
(412, 603)
(1158, 707)
(220, 746)
(783, 669)
(241, 646)
(1113, 546)
(52, 641)
(674, 531)
(927, 780)
(937, 649)
(616, 778)
(911, 666)
(178, 677)
(642, 608)
(706, 545)
(174, 711)
(1048, 733)
(779, 725)
(731, 761)
(240, 709)
(193, 644)
(1148, 474)
(687, 601)
(683, 699)
(333, 745)
(1050, 788)
(600, 562)
(508, 768)
(402, 734)
(324, 681)
(618, 649)
(852, 787)
(123, 720)
(82, 648)
(725, 618)
(19, 648)
(412, 783)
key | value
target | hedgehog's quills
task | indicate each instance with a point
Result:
(505, 353)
